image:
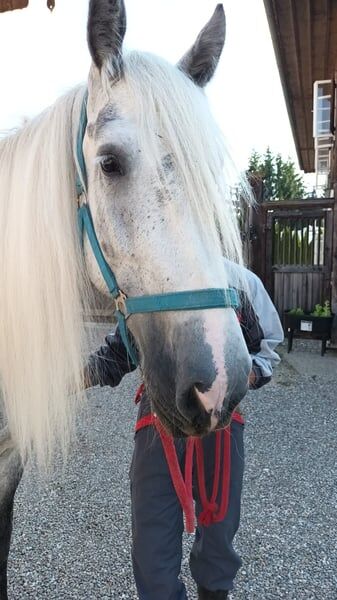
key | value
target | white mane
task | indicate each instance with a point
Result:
(42, 286)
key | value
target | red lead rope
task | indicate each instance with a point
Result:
(183, 488)
(212, 512)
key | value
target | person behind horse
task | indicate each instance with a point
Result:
(157, 515)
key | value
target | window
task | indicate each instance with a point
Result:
(322, 108)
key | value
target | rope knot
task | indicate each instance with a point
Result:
(207, 516)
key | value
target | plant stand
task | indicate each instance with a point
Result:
(308, 327)
(291, 333)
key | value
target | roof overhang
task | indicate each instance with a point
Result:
(6, 5)
(304, 34)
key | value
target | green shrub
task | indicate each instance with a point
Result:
(319, 311)
(322, 311)
(297, 311)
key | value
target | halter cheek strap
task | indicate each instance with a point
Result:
(85, 224)
(125, 306)
(81, 171)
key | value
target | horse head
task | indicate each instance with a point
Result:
(156, 190)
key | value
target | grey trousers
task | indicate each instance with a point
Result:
(157, 521)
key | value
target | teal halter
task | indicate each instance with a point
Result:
(125, 306)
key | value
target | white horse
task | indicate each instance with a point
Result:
(154, 159)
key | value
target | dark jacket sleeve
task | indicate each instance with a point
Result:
(253, 335)
(109, 364)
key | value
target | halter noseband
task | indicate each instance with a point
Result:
(125, 306)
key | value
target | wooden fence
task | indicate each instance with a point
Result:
(290, 246)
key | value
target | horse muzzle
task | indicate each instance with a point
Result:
(191, 391)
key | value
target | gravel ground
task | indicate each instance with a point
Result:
(72, 532)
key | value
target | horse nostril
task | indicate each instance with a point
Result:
(191, 399)
(189, 405)
(201, 387)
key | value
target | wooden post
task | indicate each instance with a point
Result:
(255, 229)
(334, 272)
(257, 256)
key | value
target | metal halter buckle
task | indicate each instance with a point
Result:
(120, 302)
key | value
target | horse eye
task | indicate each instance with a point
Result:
(111, 165)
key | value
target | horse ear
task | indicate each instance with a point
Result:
(200, 62)
(106, 31)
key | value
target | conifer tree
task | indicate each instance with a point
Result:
(280, 178)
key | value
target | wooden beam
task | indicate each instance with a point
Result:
(304, 44)
(327, 35)
(6, 5)
(278, 27)
(300, 204)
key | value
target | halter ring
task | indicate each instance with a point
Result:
(120, 302)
